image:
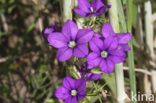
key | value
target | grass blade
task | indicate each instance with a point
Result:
(119, 67)
(130, 53)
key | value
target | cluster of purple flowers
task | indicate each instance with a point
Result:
(104, 50)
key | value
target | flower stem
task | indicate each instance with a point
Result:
(92, 21)
(67, 6)
(130, 53)
(149, 28)
(113, 12)
(98, 94)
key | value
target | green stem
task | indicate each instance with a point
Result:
(93, 94)
(113, 12)
(130, 53)
(92, 22)
(97, 90)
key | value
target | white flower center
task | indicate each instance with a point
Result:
(73, 92)
(72, 44)
(92, 10)
(104, 54)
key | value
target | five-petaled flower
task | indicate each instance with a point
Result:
(123, 38)
(72, 90)
(86, 9)
(49, 30)
(88, 76)
(105, 54)
(71, 42)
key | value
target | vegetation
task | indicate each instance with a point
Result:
(30, 71)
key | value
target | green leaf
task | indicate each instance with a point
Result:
(30, 28)
(96, 71)
(49, 101)
(90, 99)
(110, 81)
(2, 11)
(122, 21)
(130, 5)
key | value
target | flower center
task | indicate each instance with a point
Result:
(104, 54)
(72, 44)
(91, 8)
(73, 92)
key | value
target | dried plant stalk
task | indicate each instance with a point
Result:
(67, 6)
(149, 28)
(121, 95)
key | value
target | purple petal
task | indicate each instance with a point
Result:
(69, 83)
(124, 47)
(91, 76)
(97, 35)
(81, 95)
(94, 63)
(96, 44)
(89, 15)
(110, 43)
(55, 27)
(84, 36)
(92, 56)
(117, 56)
(84, 5)
(46, 33)
(96, 76)
(80, 51)
(107, 30)
(117, 52)
(57, 40)
(124, 38)
(97, 4)
(70, 30)
(64, 53)
(71, 99)
(62, 93)
(93, 60)
(48, 30)
(114, 44)
(80, 12)
(117, 59)
(101, 11)
(107, 66)
(80, 85)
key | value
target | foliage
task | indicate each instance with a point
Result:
(29, 70)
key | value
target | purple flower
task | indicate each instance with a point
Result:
(72, 90)
(86, 9)
(71, 42)
(123, 38)
(47, 31)
(89, 76)
(105, 54)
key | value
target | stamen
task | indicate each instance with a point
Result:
(104, 54)
(73, 92)
(72, 44)
(92, 10)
